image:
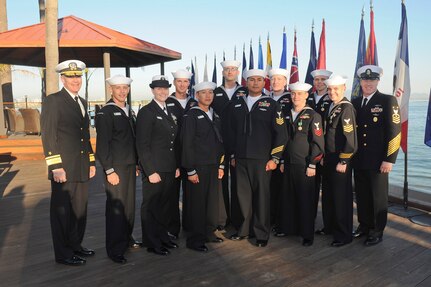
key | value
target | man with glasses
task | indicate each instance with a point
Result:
(71, 163)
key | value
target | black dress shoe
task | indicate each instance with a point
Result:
(321, 232)
(261, 243)
(85, 252)
(359, 232)
(280, 234)
(118, 259)
(74, 261)
(216, 240)
(307, 242)
(135, 244)
(236, 237)
(337, 243)
(220, 228)
(373, 240)
(170, 245)
(173, 236)
(201, 248)
(159, 251)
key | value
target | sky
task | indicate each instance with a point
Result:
(196, 28)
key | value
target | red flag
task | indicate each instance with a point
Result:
(294, 74)
(268, 64)
(321, 61)
(371, 55)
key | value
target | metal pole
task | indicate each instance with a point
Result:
(129, 96)
(406, 184)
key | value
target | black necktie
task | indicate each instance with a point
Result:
(165, 110)
(77, 104)
(364, 103)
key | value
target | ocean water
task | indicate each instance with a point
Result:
(418, 154)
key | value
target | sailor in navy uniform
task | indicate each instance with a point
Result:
(303, 152)
(379, 136)
(224, 95)
(319, 101)
(257, 139)
(203, 158)
(278, 79)
(156, 132)
(116, 152)
(340, 145)
(179, 102)
(71, 163)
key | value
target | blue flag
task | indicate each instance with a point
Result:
(283, 59)
(313, 59)
(192, 82)
(427, 140)
(251, 63)
(215, 70)
(244, 67)
(260, 58)
(360, 60)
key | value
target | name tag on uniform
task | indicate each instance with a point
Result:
(200, 117)
(264, 110)
(237, 106)
(170, 104)
(219, 95)
(117, 114)
(160, 118)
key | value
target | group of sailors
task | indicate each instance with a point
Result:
(241, 157)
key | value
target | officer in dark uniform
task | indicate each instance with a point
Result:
(115, 124)
(340, 145)
(224, 95)
(303, 152)
(319, 101)
(257, 137)
(179, 102)
(278, 79)
(156, 132)
(379, 135)
(71, 163)
(203, 158)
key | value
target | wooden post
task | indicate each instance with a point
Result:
(129, 96)
(107, 70)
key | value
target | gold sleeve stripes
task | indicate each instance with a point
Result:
(346, 155)
(92, 158)
(277, 150)
(54, 159)
(394, 144)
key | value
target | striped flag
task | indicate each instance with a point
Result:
(214, 80)
(244, 67)
(313, 59)
(321, 60)
(283, 59)
(251, 63)
(260, 56)
(402, 77)
(192, 82)
(360, 60)
(371, 55)
(294, 73)
(427, 139)
(268, 64)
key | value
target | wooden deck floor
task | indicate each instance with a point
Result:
(26, 255)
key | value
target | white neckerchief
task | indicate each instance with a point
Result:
(81, 105)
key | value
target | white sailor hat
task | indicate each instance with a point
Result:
(71, 68)
(119, 80)
(160, 81)
(299, 86)
(369, 72)
(225, 64)
(255, 72)
(321, 72)
(205, 86)
(182, 74)
(281, 72)
(335, 80)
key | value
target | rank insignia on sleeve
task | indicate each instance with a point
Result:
(317, 130)
(396, 119)
(348, 127)
(279, 120)
(264, 104)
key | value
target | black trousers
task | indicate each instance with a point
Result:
(173, 207)
(230, 197)
(68, 216)
(253, 188)
(318, 185)
(276, 190)
(297, 202)
(120, 210)
(371, 188)
(154, 215)
(203, 204)
(337, 203)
